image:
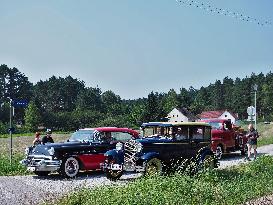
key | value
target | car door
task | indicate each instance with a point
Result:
(199, 138)
(181, 141)
(229, 135)
(95, 154)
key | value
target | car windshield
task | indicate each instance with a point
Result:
(216, 125)
(82, 135)
(148, 131)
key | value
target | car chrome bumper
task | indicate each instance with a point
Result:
(41, 163)
(125, 167)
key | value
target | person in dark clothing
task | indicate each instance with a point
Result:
(47, 138)
(252, 136)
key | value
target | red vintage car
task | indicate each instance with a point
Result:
(83, 151)
(226, 137)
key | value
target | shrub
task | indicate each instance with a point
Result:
(231, 186)
(7, 169)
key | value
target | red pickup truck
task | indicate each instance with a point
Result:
(226, 137)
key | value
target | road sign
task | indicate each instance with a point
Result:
(20, 103)
(251, 111)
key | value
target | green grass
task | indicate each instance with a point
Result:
(217, 187)
(265, 141)
(31, 134)
(16, 135)
(7, 169)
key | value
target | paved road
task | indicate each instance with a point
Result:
(34, 190)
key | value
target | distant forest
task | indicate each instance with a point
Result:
(66, 104)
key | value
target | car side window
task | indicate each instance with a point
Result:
(106, 137)
(121, 136)
(207, 133)
(197, 133)
(182, 133)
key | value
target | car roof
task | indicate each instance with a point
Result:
(112, 129)
(190, 123)
(147, 124)
(169, 124)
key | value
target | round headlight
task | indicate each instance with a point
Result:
(139, 147)
(26, 151)
(119, 146)
(51, 151)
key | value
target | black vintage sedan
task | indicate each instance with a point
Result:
(161, 144)
(84, 151)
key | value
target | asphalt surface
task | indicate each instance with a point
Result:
(23, 190)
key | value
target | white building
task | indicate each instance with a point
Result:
(181, 115)
(221, 114)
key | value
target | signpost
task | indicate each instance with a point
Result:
(255, 88)
(251, 111)
(14, 103)
(10, 129)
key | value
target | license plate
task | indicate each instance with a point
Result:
(32, 169)
(116, 167)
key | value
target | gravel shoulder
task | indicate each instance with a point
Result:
(36, 190)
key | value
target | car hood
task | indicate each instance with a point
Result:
(43, 149)
(216, 133)
(153, 140)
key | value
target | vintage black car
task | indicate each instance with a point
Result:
(84, 151)
(161, 144)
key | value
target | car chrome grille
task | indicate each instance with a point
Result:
(130, 151)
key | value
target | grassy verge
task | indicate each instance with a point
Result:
(265, 141)
(231, 186)
(7, 169)
(30, 134)
(16, 135)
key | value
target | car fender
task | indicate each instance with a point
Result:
(117, 155)
(203, 153)
(149, 155)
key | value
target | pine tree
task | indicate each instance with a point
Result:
(32, 117)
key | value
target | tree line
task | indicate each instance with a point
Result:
(66, 103)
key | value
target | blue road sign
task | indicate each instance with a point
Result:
(11, 129)
(20, 103)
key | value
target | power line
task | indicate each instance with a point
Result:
(225, 12)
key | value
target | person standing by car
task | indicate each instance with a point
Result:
(37, 139)
(47, 138)
(252, 136)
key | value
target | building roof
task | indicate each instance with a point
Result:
(214, 114)
(187, 113)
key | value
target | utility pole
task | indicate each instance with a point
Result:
(255, 87)
(10, 129)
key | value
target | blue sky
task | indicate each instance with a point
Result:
(135, 47)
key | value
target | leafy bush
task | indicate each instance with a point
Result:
(232, 186)
(7, 169)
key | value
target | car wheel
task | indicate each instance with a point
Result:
(41, 173)
(206, 162)
(70, 167)
(112, 174)
(219, 152)
(153, 167)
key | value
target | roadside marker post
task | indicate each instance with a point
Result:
(14, 103)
